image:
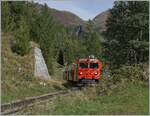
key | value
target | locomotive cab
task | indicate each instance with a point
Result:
(89, 70)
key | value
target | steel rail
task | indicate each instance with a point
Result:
(15, 106)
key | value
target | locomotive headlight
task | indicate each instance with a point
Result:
(80, 73)
(95, 73)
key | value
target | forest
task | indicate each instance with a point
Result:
(126, 40)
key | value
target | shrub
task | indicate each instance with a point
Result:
(131, 73)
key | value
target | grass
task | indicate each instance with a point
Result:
(17, 79)
(58, 73)
(132, 99)
(27, 89)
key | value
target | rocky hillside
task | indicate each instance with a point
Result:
(100, 20)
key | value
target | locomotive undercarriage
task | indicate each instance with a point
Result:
(88, 81)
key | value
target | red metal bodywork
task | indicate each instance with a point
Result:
(89, 73)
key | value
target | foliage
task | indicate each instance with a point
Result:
(60, 58)
(21, 43)
(92, 41)
(57, 42)
(138, 72)
(126, 34)
(7, 20)
(17, 80)
(127, 26)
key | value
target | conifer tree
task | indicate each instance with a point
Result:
(127, 32)
(7, 20)
(92, 40)
(45, 32)
(60, 59)
(21, 43)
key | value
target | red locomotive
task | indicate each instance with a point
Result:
(84, 70)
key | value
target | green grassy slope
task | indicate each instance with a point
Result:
(17, 80)
(132, 99)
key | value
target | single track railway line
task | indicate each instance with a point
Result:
(15, 106)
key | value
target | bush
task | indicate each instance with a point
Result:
(131, 73)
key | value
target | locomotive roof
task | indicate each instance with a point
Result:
(87, 59)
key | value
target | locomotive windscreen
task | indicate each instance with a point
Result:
(93, 65)
(83, 65)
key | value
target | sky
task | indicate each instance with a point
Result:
(85, 9)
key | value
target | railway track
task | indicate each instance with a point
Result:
(13, 107)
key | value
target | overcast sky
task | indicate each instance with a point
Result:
(85, 9)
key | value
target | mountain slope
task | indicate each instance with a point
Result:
(100, 20)
(65, 18)
(70, 19)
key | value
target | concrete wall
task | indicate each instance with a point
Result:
(40, 69)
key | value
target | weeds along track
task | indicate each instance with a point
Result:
(13, 107)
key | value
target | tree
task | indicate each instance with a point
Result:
(60, 59)
(126, 26)
(7, 20)
(21, 43)
(92, 40)
(44, 31)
